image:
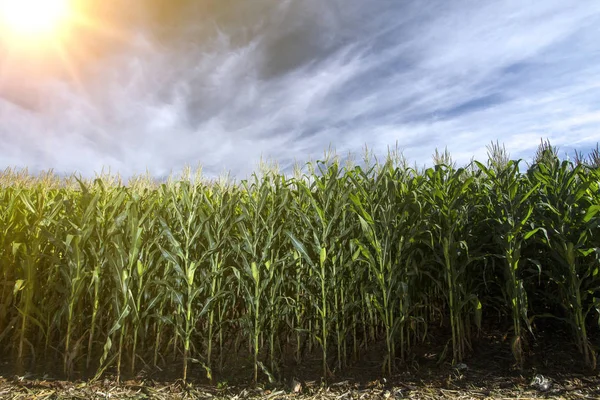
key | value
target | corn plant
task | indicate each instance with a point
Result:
(10, 221)
(386, 212)
(510, 214)
(327, 202)
(74, 247)
(568, 215)
(108, 224)
(219, 231)
(124, 260)
(39, 209)
(446, 192)
(187, 253)
(263, 259)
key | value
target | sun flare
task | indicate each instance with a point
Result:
(54, 39)
(33, 19)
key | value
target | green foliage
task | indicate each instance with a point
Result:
(113, 278)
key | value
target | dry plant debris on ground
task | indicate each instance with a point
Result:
(456, 385)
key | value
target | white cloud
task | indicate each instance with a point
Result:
(288, 83)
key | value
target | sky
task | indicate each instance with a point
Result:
(155, 85)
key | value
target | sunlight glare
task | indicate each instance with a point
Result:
(33, 19)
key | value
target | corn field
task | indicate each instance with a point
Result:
(104, 278)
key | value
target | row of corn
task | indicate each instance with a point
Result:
(338, 260)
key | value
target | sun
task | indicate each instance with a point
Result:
(54, 41)
(33, 19)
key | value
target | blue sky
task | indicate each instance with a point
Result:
(286, 79)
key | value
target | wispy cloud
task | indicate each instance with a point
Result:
(286, 79)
